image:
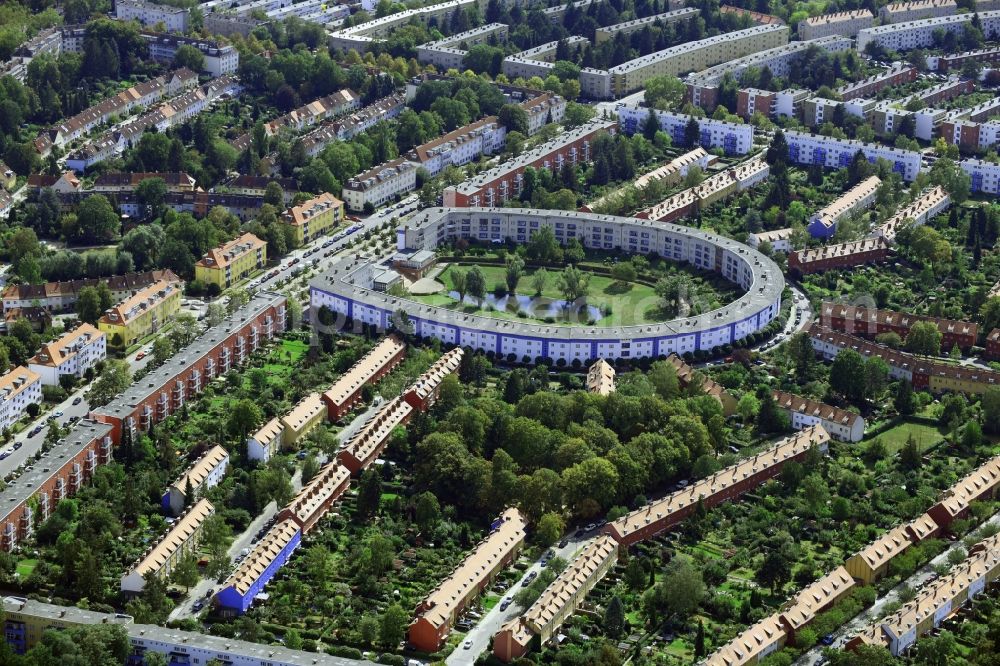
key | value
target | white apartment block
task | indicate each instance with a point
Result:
(541, 110)
(162, 557)
(780, 240)
(900, 12)
(266, 442)
(361, 37)
(219, 58)
(18, 388)
(846, 24)
(920, 34)
(628, 27)
(449, 53)
(985, 175)
(834, 153)
(732, 138)
(805, 413)
(149, 14)
(380, 184)
(461, 146)
(206, 472)
(72, 354)
(695, 56)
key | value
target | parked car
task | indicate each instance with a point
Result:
(467, 645)
(505, 604)
(77, 400)
(141, 355)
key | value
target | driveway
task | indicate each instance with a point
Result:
(481, 634)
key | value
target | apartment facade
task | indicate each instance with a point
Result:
(871, 563)
(834, 153)
(732, 138)
(847, 24)
(216, 351)
(437, 612)
(314, 218)
(424, 391)
(174, 19)
(62, 296)
(232, 262)
(985, 175)
(460, 146)
(308, 413)
(267, 441)
(258, 568)
(373, 366)
(19, 388)
(368, 443)
(900, 12)
(920, 33)
(204, 473)
(780, 240)
(72, 354)
(219, 58)
(979, 485)
(600, 378)
(840, 255)
(927, 206)
(871, 322)
(381, 184)
(142, 313)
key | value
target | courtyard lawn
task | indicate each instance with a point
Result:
(25, 567)
(895, 438)
(630, 303)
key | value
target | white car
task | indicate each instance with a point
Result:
(467, 645)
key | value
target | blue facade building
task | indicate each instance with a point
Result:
(259, 567)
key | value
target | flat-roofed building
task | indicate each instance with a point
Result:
(979, 485)
(146, 13)
(761, 639)
(308, 413)
(756, 17)
(897, 74)
(600, 378)
(162, 557)
(232, 262)
(559, 600)
(985, 175)
(804, 412)
(315, 499)
(732, 138)
(437, 612)
(839, 255)
(203, 474)
(543, 109)
(373, 366)
(823, 223)
(724, 485)
(628, 27)
(423, 392)
(315, 217)
(839, 23)
(380, 184)
(267, 441)
(899, 12)
(367, 444)
(872, 322)
(72, 354)
(834, 153)
(142, 313)
(921, 33)
(928, 205)
(780, 240)
(258, 568)
(18, 388)
(952, 61)
(687, 375)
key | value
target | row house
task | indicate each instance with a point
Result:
(978, 486)
(928, 205)
(560, 599)
(955, 61)
(871, 563)
(317, 497)
(437, 612)
(373, 366)
(30, 499)
(686, 376)
(897, 74)
(62, 296)
(670, 174)
(725, 485)
(316, 111)
(308, 413)
(72, 354)
(204, 473)
(368, 442)
(266, 441)
(161, 559)
(111, 183)
(344, 129)
(756, 18)
(823, 223)
(257, 569)
(216, 351)
(493, 187)
(993, 344)
(423, 392)
(712, 190)
(872, 322)
(847, 24)
(840, 255)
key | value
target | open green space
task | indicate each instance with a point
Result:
(896, 437)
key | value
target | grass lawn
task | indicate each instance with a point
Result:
(895, 438)
(632, 303)
(25, 567)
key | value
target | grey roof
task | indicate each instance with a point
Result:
(765, 289)
(124, 404)
(23, 487)
(226, 648)
(643, 61)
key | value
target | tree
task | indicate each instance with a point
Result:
(427, 512)
(97, 221)
(513, 271)
(664, 379)
(310, 468)
(514, 118)
(593, 480)
(113, 380)
(163, 349)
(190, 57)
(699, 640)
(538, 281)
(369, 494)
(775, 570)
(185, 573)
(991, 410)
(677, 595)
(624, 272)
(801, 353)
(924, 338)
(244, 417)
(651, 125)
(903, 400)
(393, 625)
(88, 305)
(692, 132)
(876, 376)
(909, 455)
(573, 284)
(748, 406)
(847, 375)
(475, 282)
(550, 529)
(665, 92)
(614, 618)
(152, 192)
(459, 282)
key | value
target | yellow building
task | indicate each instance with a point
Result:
(141, 313)
(306, 415)
(231, 262)
(315, 217)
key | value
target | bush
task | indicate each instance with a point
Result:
(391, 659)
(344, 650)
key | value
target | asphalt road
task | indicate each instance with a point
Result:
(481, 635)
